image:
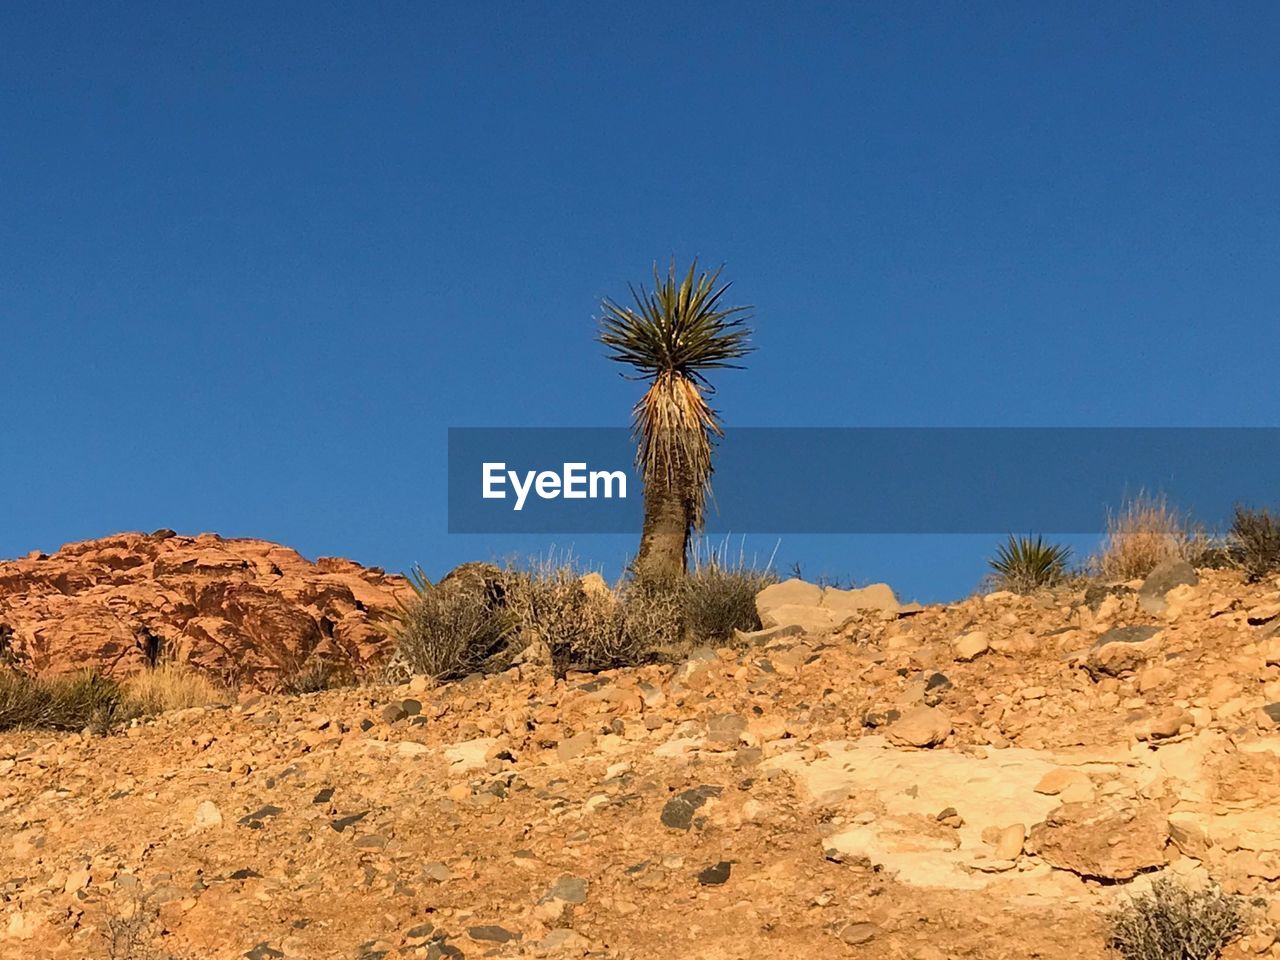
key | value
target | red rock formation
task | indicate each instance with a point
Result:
(241, 609)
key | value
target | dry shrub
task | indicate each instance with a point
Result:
(1254, 541)
(316, 676)
(172, 686)
(719, 594)
(1175, 922)
(580, 623)
(1147, 531)
(132, 933)
(449, 631)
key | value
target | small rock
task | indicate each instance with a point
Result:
(758, 638)
(492, 933)
(207, 815)
(393, 713)
(936, 688)
(563, 940)
(1122, 649)
(971, 646)
(679, 810)
(342, 823)
(437, 872)
(254, 820)
(575, 746)
(857, 932)
(1167, 575)
(920, 727)
(568, 888)
(1009, 843)
(264, 951)
(715, 874)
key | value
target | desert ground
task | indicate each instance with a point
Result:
(861, 778)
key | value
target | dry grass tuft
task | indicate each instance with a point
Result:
(1146, 532)
(172, 686)
(84, 700)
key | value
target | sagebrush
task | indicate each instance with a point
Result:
(1254, 541)
(1177, 922)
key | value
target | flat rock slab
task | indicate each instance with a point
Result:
(912, 786)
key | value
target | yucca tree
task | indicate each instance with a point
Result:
(672, 336)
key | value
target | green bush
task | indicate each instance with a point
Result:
(1025, 564)
(84, 700)
(1254, 541)
(1174, 922)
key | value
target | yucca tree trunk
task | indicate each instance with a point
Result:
(664, 539)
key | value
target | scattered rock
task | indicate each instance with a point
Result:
(1102, 841)
(857, 932)
(492, 934)
(1123, 649)
(207, 815)
(679, 810)
(971, 645)
(1166, 575)
(568, 888)
(920, 727)
(715, 874)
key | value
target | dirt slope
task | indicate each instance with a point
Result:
(763, 802)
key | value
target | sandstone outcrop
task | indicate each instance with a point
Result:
(243, 610)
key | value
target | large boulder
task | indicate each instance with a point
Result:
(1123, 649)
(1113, 841)
(1167, 575)
(816, 609)
(239, 609)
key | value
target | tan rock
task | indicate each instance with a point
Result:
(920, 727)
(875, 596)
(971, 645)
(1115, 841)
(1009, 842)
(207, 815)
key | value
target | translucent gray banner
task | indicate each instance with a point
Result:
(864, 480)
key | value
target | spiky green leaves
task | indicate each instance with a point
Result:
(671, 335)
(680, 327)
(1023, 564)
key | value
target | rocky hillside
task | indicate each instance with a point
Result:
(977, 780)
(243, 610)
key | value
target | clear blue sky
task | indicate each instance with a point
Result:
(256, 258)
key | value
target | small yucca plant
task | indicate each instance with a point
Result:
(1027, 563)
